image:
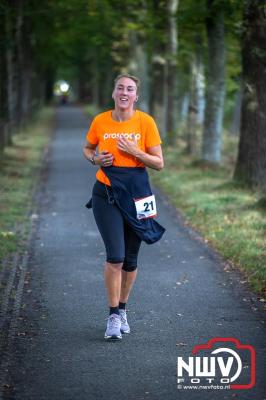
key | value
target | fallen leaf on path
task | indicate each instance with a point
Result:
(7, 386)
(182, 280)
(181, 344)
(226, 267)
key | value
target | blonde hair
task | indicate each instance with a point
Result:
(134, 78)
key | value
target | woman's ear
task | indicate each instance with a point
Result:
(136, 99)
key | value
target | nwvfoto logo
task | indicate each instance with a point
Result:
(231, 364)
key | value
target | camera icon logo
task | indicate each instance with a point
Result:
(221, 363)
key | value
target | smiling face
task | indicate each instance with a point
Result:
(125, 94)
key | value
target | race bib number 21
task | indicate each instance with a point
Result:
(146, 207)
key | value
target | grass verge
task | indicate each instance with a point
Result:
(232, 219)
(19, 168)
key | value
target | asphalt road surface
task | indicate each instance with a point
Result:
(184, 296)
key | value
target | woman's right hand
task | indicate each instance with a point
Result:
(104, 159)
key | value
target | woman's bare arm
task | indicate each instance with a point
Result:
(104, 159)
(152, 159)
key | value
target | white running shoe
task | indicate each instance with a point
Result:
(125, 328)
(113, 327)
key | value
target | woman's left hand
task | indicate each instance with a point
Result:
(128, 146)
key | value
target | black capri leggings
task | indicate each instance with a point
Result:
(121, 242)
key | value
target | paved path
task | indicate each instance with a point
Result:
(184, 296)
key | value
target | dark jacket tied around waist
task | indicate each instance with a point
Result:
(129, 183)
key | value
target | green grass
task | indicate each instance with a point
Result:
(19, 167)
(231, 218)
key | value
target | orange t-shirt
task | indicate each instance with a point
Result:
(104, 132)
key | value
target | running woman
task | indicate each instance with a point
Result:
(127, 140)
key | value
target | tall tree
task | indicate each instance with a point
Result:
(138, 48)
(3, 81)
(191, 70)
(236, 114)
(11, 67)
(193, 108)
(158, 83)
(171, 115)
(195, 96)
(215, 90)
(251, 162)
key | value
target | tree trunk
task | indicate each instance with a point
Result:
(192, 110)
(215, 90)
(235, 124)
(158, 91)
(3, 84)
(138, 52)
(107, 84)
(184, 106)
(28, 69)
(196, 97)
(88, 89)
(141, 71)
(49, 85)
(251, 162)
(95, 87)
(10, 72)
(171, 115)
(158, 88)
(19, 45)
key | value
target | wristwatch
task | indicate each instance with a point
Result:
(91, 159)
